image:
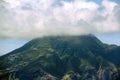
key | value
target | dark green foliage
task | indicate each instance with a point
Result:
(117, 75)
(54, 57)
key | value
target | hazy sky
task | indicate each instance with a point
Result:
(113, 38)
(7, 45)
(27, 19)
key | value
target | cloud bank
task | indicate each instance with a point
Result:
(36, 18)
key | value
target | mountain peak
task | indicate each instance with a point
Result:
(58, 57)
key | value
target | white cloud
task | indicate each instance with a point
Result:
(35, 18)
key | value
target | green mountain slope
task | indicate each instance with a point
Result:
(113, 55)
(61, 58)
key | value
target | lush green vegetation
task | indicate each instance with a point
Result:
(61, 57)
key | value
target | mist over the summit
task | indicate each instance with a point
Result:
(36, 18)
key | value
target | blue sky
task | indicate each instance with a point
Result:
(113, 38)
(96, 1)
(7, 45)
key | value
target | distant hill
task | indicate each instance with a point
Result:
(62, 58)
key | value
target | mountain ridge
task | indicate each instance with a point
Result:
(62, 57)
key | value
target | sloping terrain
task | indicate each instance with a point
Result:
(61, 58)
